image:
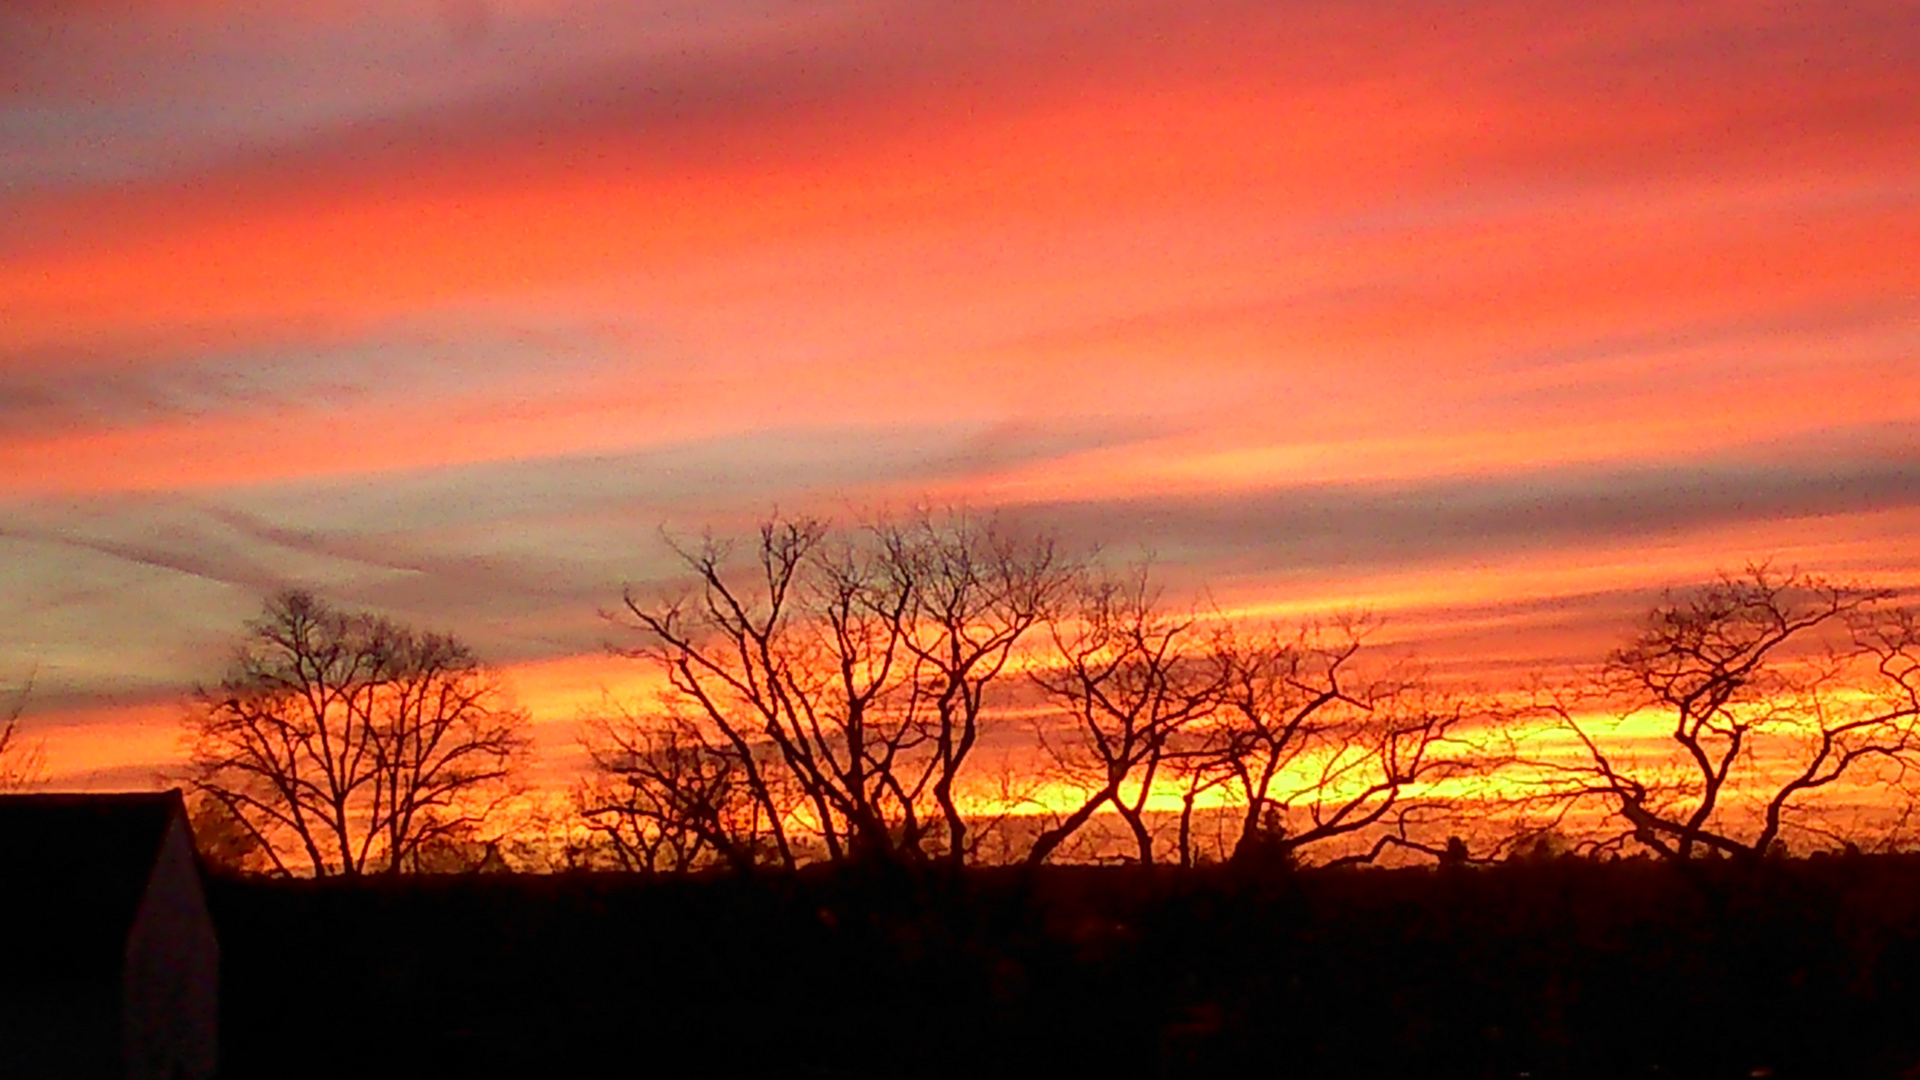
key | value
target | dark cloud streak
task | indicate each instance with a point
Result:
(408, 545)
(1309, 530)
(128, 382)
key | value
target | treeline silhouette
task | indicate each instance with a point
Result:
(1554, 967)
(1683, 860)
(827, 693)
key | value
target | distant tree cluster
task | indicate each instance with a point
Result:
(826, 697)
(828, 694)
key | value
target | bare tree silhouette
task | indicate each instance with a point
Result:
(1131, 679)
(975, 593)
(1716, 727)
(1305, 749)
(832, 691)
(345, 743)
(1315, 750)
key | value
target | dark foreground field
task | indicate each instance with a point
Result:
(1544, 969)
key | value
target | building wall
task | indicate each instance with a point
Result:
(172, 1004)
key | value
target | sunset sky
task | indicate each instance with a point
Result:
(1492, 317)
